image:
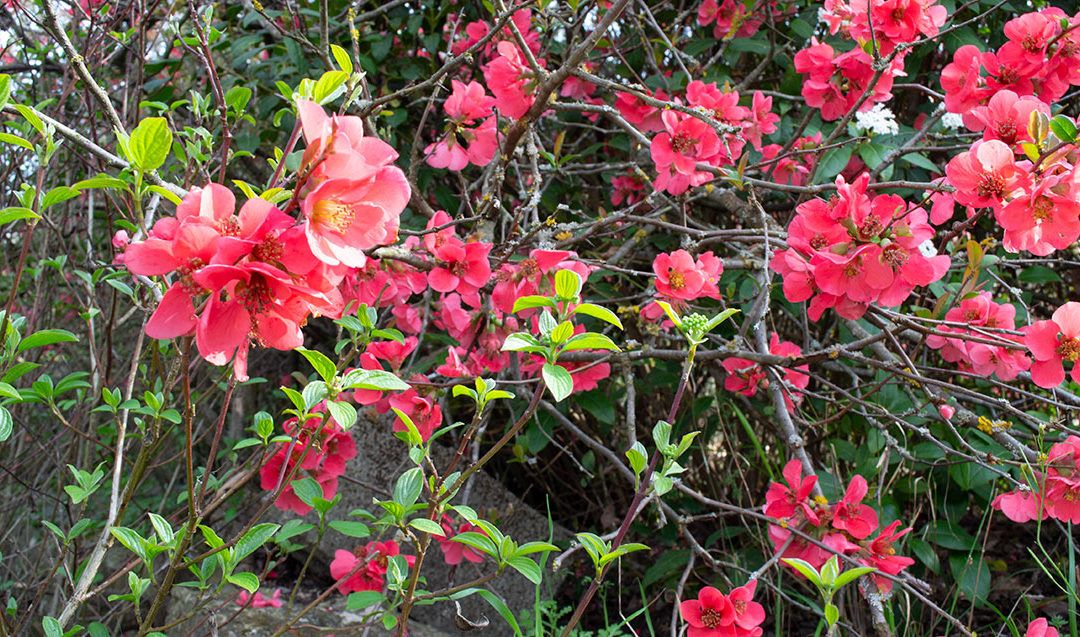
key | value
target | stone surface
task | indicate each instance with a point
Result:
(216, 617)
(381, 458)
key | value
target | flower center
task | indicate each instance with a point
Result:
(871, 227)
(740, 606)
(187, 281)
(1068, 349)
(676, 279)
(683, 143)
(851, 270)
(269, 250)
(333, 214)
(459, 268)
(991, 185)
(228, 227)
(1041, 208)
(895, 256)
(711, 617)
(1006, 132)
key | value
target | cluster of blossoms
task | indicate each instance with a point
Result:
(1039, 58)
(982, 358)
(469, 137)
(837, 81)
(319, 449)
(714, 614)
(853, 250)
(745, 377)
(730, 19)
(1058, 495)
(256, 275)
(793, 167)
(845, 527)
(1035, 202)
(685, 140)
(367, 565)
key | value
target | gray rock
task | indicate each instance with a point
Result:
(223, 617)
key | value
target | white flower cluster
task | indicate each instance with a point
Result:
(952, 120)
(878, 120)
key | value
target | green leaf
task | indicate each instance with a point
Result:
(363, 599)
(567, 284)
(478, 541)
(162, 528)
(637, 457)
(376, 379)
(805, 568)
(535, 547)
(834, 160)
(254, 538)
(558, 380)
(58, 195)
(590, 340)
(522, 342)
(343, 412)
(6, 426)
(829, 571)
(408, 487)
(351, 529)
(45, 337)
(832, 614)
(527, 567)
(1063, 128)
(150, 143)
(8, 138)
(7, 215)
(329, 86)
(342, 59)
(920, 160)
(851, 575)
(246, 581)
(307, 489)
(529, 302)
(427, 526)
(562, 332)
(52, 627)
(671, 313)
(324, 367)
(972, 577)
(5, 89)
(602, 313)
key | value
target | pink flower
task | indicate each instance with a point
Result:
(318, 451)
(964, 88)
(259, 600)
(511, 80)
(1052, 343)
(985, 175)
(456, 552)
(346, 217)
(1040, 628)
(881, 555)
(393, 352)
(851, 515)
(685, 141)
(679, 277)
(1042, 218)
(707, 614)
(424, 412)
(1005, 117)
(368, 565)
(1021, 506)
(468, 139)
(783, 501)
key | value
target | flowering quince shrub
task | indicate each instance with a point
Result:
(770, 309)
